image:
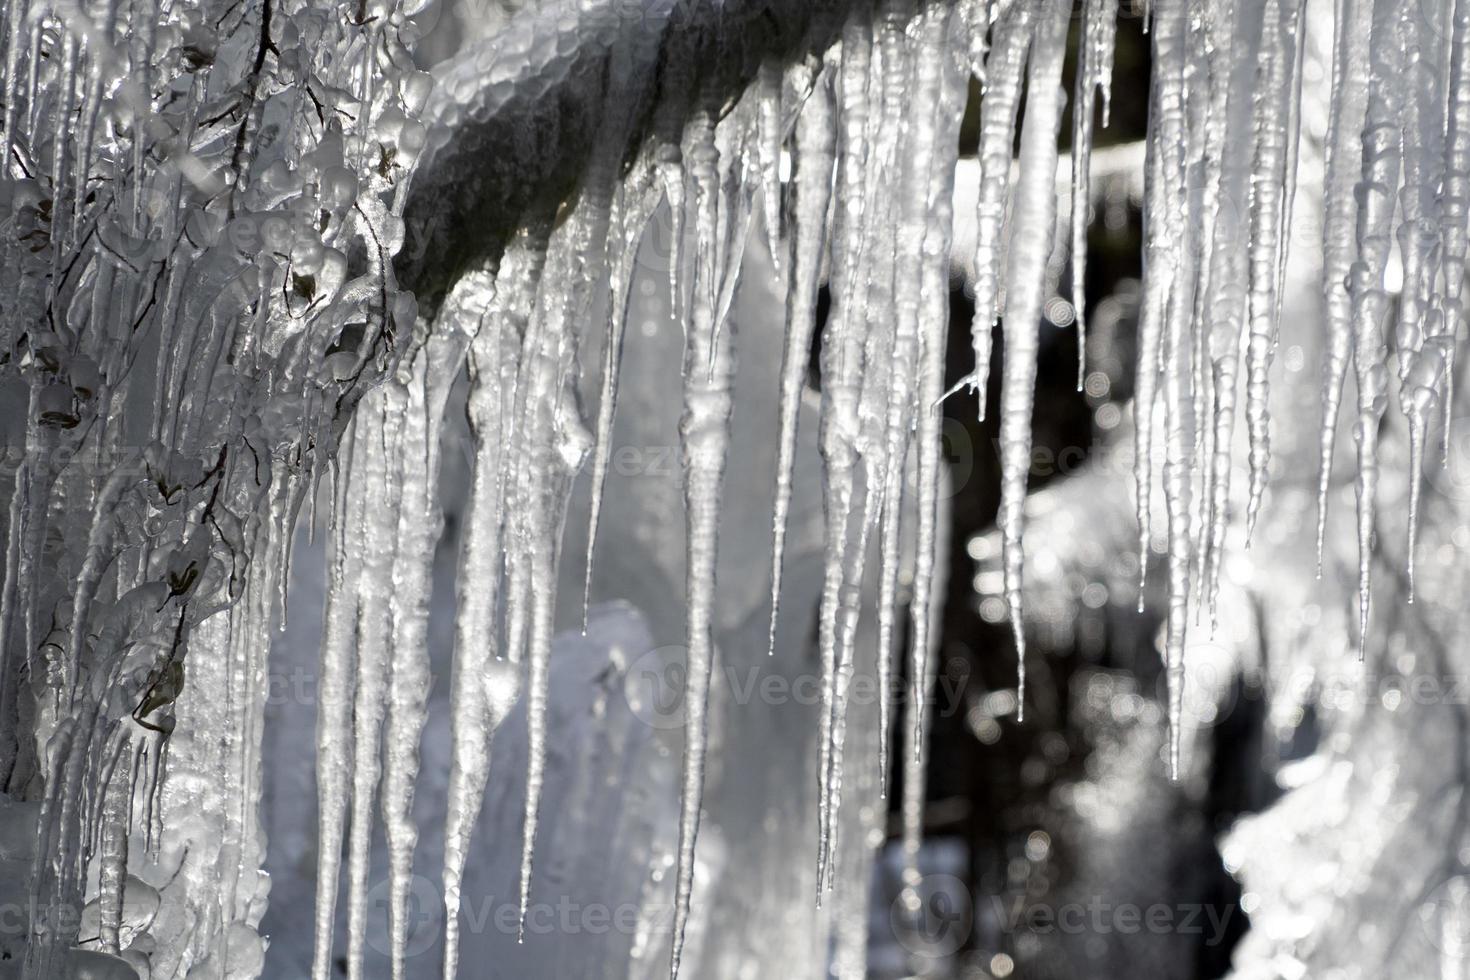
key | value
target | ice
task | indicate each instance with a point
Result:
(1344, 160)
(813, 154)
(704, 436)
(1030, 248)
(1094, 76)
(1004, 71)
(258, 255)
(1382, 153)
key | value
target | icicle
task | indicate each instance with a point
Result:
(64, 228)
(1209, 117)
(474, 711)
(928, 587)
(704, 434)
(732, 220)
(100, 553)
(1031, 243)
(894, 229)
(605, 203)
(555, 446)
(1179, 441)
(673, 102)
(975, 22)
(921, 188)
(113, 847)
(1164, 244)
(1419, 360)
(771, 136)
(408, 646)
(855, 330)
(933, 235)
(1272, 181)
(914, 770)
(637, 204)
(889, 563)
(1228, 277)
(812, 160)
(516, 295)
(850, 596)
(18, 14)
(850, 195)
(377, 436)
(1375, 194)
(1455, 204)
(1344, 153)
(1094, 73)
(844, 348)
(1003, 74)
(333, 748)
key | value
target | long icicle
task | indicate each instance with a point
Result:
(1344, 151)
(1382, 151)
(1094, 75)
(704, 434)
(846, 346)
(624, 208)
(1455, 204)
(1030, 248)
(333, 748)
(928, 448)
(636, 206)
(378, 442)
(1169, 36)
(811, 191)
(1420, 362)
(557, 445)
(475, 710)
(1229, 274)
(1272, 181)
(891, 378)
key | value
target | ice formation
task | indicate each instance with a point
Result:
(251, 249)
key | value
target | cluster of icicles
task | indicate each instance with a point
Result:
(215, 192)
